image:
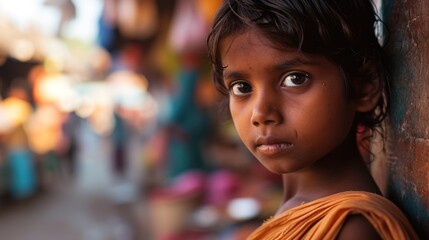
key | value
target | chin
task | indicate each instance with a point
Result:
(276, 169)
(281, 169)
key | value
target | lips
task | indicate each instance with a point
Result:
(272, 146)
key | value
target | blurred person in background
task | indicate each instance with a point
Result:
(128, 31)
(16, 111)
(45, 125)
(189, 123)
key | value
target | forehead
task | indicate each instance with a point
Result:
(247, 39)
(252, 46)
(245, 49)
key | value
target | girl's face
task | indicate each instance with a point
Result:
(289, 108)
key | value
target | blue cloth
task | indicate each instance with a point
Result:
(22, 173)
(190, 125)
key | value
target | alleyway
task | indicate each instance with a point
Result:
(92, 205)
(65, 213)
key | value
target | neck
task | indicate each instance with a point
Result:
(341, 170)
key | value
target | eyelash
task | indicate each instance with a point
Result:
(296, 75)
(235, 84)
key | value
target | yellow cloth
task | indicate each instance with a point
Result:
(323, 218)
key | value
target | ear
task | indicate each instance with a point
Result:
(367, 94)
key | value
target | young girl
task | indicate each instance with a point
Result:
(301, 76)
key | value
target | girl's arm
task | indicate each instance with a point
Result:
(357, 227)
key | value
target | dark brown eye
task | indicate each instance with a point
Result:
(295, 79)
(241, 88)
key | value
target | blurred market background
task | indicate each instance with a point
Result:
(110, 127)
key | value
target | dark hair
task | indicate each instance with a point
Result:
(341, 30)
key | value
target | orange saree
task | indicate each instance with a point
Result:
(323, 218)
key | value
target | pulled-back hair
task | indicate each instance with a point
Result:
(341, 30)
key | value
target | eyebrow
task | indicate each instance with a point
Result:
(234, 75)
(289, 63)
(297, 61)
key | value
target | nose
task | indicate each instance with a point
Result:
(266, 111)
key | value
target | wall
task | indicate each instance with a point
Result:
(407, 158)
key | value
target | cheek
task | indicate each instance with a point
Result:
(322, 111)
(237, 118)
(326, 124)
(240, 120)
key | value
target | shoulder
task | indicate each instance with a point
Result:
(357, 227)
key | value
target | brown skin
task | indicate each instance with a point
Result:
(291, 111)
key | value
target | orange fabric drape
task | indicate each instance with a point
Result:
(323, 218)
